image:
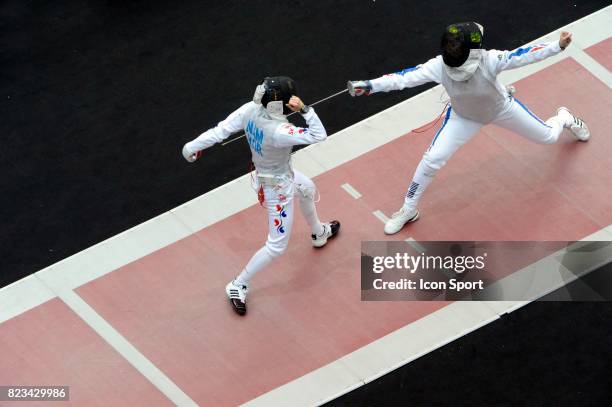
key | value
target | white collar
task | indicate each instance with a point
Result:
(274, 116)
(464, 72)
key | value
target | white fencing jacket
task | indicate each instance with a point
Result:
(270, 139)
(480, 98)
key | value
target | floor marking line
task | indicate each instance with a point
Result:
(592, 65)
(128, 351)
(351, 190)
(380, 215)
(415, 245)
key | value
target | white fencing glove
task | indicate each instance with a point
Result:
(358, 88)
(191, 157)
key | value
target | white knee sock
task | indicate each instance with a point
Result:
(309, 211)
(259, 260)
(421, 180)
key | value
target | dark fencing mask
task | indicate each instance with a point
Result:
(458, 40)
(274, 94)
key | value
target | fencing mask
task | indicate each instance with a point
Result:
(462, 49)
(274, 93)
(458, 40)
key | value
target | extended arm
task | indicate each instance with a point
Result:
(232, 124)
(503, 60)
(406, 78)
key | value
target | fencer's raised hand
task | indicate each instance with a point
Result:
(358, 88)
(295, 104)
(564, 39)
(191, 157)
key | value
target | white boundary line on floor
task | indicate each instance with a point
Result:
(125, 348)
(351, 371)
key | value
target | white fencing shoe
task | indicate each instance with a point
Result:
(237, 296)
(575, 124)
(399, 219)
(329, 230)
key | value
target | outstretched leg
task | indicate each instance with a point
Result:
(280, 208)
(522, 121)
(455, 132)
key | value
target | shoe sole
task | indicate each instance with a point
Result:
(240, 307)
(583, 139)
(413, 219)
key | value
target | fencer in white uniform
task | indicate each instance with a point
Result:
(271, 138)
(469, 76)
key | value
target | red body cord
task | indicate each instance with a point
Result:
(431, 124)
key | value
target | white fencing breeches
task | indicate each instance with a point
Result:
(457, 130)
(280, 208)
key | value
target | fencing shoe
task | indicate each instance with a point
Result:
(237, 296)
(399, 219)
(329, 230)
(575, 124)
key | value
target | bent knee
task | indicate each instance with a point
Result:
(547, 133)
(306, 192)
(432, 164)
(551, 138)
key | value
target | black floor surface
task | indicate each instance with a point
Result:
(98, 97)
(545, 354)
